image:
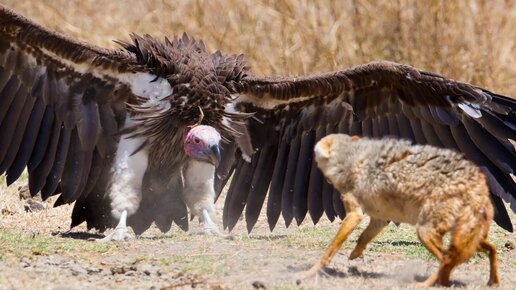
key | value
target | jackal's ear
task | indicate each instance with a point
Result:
(355, 138)
(325, 147)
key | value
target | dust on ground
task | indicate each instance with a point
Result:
(37, 251)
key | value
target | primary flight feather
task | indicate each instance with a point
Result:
(104, 128)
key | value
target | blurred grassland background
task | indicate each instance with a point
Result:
(469, 40)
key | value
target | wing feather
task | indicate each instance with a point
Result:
(225, 168)
(235, 201)
(76, 169)
(58, 164)
(289, 180)
(430, 134)
(275, 191)
(45, 156)
(17, 135)
(501, 156)
(314, 202)
(327, 197)
(338, 206)
(10, 121)
(27, 144)
(302, 175)
(259, 186)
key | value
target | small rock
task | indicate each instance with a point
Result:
(6, 211)
(147, 272)
(23, 192)
(258, 285)
(130, 273)
(77, 270)
(230, 238)
(24, 262)
(147, 269)
(117, 270)
(509, 246)
(122, 269)
(93, 270)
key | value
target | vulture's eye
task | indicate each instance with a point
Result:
(196, 140)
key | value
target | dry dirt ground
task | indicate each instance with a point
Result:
(38, 252)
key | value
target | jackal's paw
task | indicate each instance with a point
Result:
(315, 271)
(420, 285)
(493, 284)
(494, 281)
(304, 275)
(355, 254)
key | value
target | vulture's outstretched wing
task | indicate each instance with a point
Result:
(60, 109)
(377, 99)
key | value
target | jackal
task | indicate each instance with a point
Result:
(436, 189)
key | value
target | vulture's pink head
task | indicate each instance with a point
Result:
(202, 143)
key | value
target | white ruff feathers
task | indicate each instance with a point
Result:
(151, 87)
(128, 171)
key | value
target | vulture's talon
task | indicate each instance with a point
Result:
(120, 234)
(212, 230)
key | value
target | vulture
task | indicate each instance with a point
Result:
(105, 128)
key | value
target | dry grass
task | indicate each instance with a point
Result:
(469, 40)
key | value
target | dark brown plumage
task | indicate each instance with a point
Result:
(68, 110)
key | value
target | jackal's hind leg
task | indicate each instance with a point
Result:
(490, 249)
(432, 239)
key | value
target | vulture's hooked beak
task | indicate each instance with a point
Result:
(214, 154)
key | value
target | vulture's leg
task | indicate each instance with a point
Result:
(125, 193)
(120, 233)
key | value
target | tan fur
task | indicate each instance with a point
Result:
(437, 190)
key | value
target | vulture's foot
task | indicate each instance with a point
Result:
(119, 234)
(209, 227)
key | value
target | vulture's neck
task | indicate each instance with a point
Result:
(199, 175)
